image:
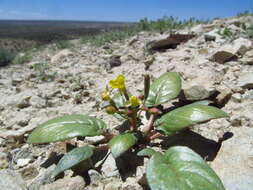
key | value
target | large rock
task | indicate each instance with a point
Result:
(234, 162)
(115, 61)
(197, 92)
(10, 180)
(245, 80)
(248, 58)
(232, 51)
(170, 42)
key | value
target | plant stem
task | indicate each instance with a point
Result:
(149, 125)
(133, 121)
(154, 136)
(108, 136)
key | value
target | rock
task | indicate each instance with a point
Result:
(201, 87)
(223, 56)
(237, 97)
(241, 46)
(236, 120)
(231, 52)
(131, 184)
(94, 176)
(203, 51)
(170, 42)
(209, 38)
(94, 140)
(247, 58)
(196, 93)
(245, 80)
(234, 162)
(28, 173)
(213, 36)
(23, 162)
(67, 183)
(224, 96)
(115, 61)
(10, 180)
(3, 160)
(44, 177)
(23, 102)
(16, 81)
(116, 185)
(109, 167)
(37, 102)
(63, 53)
(248, 95)
(197, 29)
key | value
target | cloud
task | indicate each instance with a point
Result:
(14, 14)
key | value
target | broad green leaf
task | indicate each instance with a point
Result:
(67, 127)
(179, 168)
(72, 158)
(146, 152)
(121, 143)
(186, 116)
(163, 89)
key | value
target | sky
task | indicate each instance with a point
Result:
(120, 10)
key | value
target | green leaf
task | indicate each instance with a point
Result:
(121, 143)
(163, 89)
(181, 169)
(67, 127)
(72, 158)
(146, 152)
(186, 116)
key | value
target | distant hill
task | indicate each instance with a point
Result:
(47, 31)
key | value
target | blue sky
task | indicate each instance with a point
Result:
(120, 10)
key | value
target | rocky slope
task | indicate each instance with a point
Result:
(213, 66)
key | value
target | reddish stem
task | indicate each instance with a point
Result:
(154, 136)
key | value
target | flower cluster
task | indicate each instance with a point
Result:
(131, 103)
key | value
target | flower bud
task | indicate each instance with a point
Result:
(135, 101)
(110, 110)
(105, 96)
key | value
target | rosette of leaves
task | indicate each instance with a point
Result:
(176, 168)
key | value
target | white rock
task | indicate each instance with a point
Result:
(109, 167)
(10, 180)
(234, 163)
(23, 162)
(245, 80)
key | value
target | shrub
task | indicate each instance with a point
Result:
(6, 57)
(63, 44)
(21, 59)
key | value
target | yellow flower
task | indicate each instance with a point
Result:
(135, 101)
(118, 83)
(110, 110)
(105, 96)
